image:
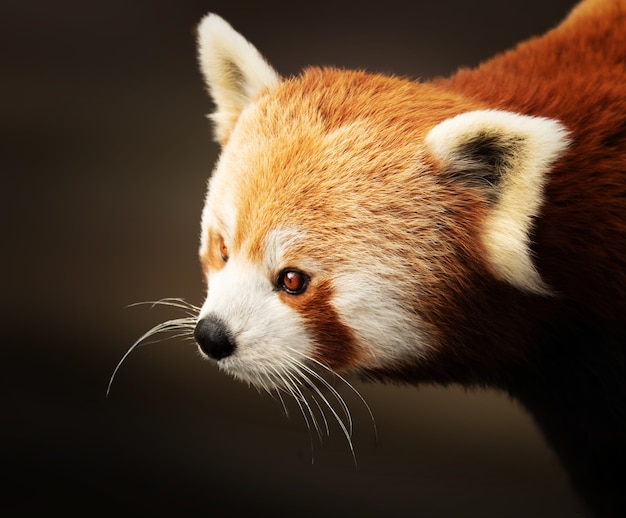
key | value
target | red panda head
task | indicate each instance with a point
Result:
(349, 211)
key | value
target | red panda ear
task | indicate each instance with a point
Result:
(234, 71)
(508, 156)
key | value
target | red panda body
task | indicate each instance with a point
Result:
(468, 230)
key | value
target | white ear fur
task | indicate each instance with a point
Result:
(510, 155)
(234, 71)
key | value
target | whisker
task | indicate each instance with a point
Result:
(334, 392)
(164, 327)
(306, 420)
(296, 386)
(361, 398)
(171, 301)
(334, 412)
(351, 387)
(282, 402)
(326, 427)
(163, 339)
(263, 382)
(290, 385)
(280, 385)
(191, 309)
(287, 385)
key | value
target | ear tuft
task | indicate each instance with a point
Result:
(509, 157)
(234, 71)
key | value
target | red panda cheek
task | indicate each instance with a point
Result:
(334, 342)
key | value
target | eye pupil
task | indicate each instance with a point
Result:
(293, 281)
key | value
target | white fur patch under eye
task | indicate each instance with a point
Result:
(267, 333)
(388, 333)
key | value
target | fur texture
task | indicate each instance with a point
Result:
(469, 230)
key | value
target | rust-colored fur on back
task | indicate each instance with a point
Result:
(575, 74)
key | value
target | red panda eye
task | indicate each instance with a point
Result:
(223, 250)
(292, 281)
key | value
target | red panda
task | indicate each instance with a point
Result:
(470, 229)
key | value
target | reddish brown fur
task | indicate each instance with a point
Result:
(211, 259)
(580, 238)
(343, 97)
(581, 234)
(337, 348)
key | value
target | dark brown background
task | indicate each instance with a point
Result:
(106, 152)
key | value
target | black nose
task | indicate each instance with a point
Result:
(213, 338)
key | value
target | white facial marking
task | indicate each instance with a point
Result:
(278, 243)
(388, 333)
(217, 201)
(266, 331)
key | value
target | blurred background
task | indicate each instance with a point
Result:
(106, 153)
